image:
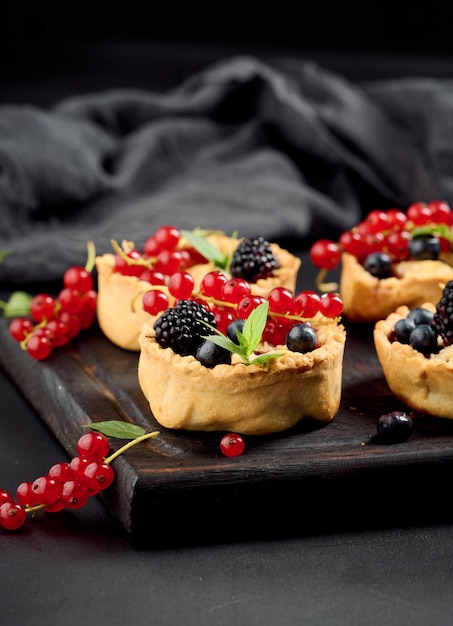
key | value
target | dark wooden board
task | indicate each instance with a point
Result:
(179, 486)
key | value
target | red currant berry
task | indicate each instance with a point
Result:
(441, 212)
(166, 237)
(132, 268)
(59, 332)
(78, 278)
(212, 284)
(281, 300)
(353, 243)
(397, 244)
(275, 331)
(89, 307)
(181, 285)
(93, 445)
(331, 305)
(46, 489)
(396, 219)
(20, 327)
(39, 346)
(419, 213)
(12, 515)
(155, 301)
(247, 304)
(170, 261)
(98, 476)
(71, 322)
(77, 465)
(5, 496)
(61, 472)
(75, 494)
(235, 289)
(325, 254)
(223, 317)
(70, 300)
(42, 307)
(55, 507)
(152, 277)
(307, 303)
(25, 494)
(232, 445)
(377, 221)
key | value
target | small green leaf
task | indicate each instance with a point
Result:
(4, 253)
(249, 339)
(117, 429)
(254, 326)
(262, 359)
(205, 247)
(17, 305)
(442, 230)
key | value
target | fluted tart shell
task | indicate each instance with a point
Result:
(423, 384)
(246, 399)
(120, 310)
(370, 299)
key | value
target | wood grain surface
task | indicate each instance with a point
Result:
(179, 486)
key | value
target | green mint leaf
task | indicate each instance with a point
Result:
(117, 429)
(205, 247)
(17, 305)
(442, 230)
(254, 326)
(4, 253)
(262, 359)
(249, 339)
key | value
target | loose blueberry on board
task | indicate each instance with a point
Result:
(394, 427)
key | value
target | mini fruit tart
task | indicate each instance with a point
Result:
(172, 266)
(415, 350)
(390, 259)
(245, 381)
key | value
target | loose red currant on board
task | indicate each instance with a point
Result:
(232, 445)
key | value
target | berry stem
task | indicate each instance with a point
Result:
(128, 445)
(149, 263)
(91, 256)
(324, 286)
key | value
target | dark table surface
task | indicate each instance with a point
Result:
(78, 567)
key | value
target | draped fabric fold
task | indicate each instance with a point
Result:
(285, 149)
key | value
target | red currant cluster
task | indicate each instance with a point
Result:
(163, 253)
(66, 485)
(230, 299)
(386, 231)
(56, 320)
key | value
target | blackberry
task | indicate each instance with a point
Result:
(443, 317)
(253, 259)
(181, 327)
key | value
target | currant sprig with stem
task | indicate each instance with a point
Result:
(70, 485)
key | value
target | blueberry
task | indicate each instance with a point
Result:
(419, 315)
(424, 247)
(378, 264)
(424, 339)
(403, 329)
(301, 338)
(232, 328)
(395, 427)
(210, 354)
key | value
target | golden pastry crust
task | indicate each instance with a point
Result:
(423, 384)
(119, 309)
(183, 394)
(369, 299)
